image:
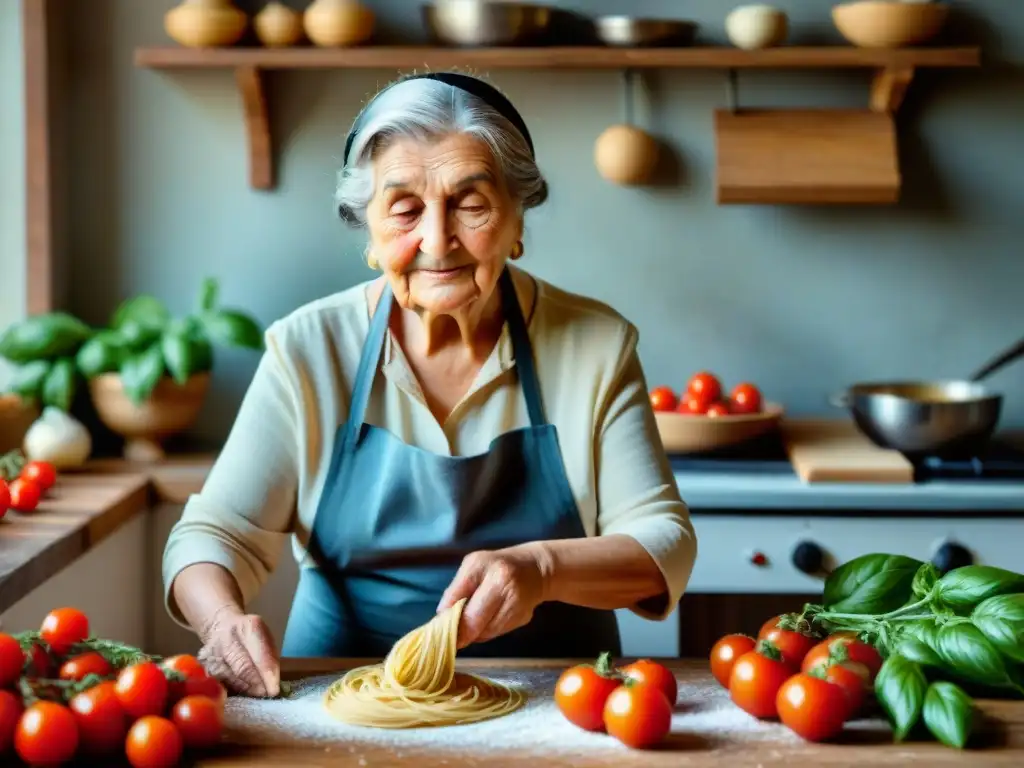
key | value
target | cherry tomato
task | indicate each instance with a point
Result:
(90, 663)
(206, 686)
(46, 734)
(42, 473)
(705, 385)
(580, 694)
(663, 399)
(755, 681)
(745, 398)
(25, 495)
(852, 685)
(717, 409)
(638, 715)
(694, 405)
(12, 659)
(793, 645)
(63, 627)
(653, 673)
(5, 497)
(142, 689)
(724, 655)
(38, 661)
(10, 713)
(845, 650)
(811, 707)
(188, 667)
(102, 723)
(200, 721)
(153, 742)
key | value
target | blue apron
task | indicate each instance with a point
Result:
(410, 507)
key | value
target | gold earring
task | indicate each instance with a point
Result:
(371, 260)
(517, 250)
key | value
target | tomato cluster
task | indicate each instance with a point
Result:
(813, 685)
(633, 703)
(704, 396)
(23, 488)
(65, 696)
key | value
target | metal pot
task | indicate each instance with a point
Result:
(929, 418)
(482, 23)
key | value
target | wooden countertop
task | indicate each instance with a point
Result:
(81, 510)
(1000, 740)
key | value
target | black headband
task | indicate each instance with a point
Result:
(484, 91)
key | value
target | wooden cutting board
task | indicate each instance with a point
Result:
(835, 451)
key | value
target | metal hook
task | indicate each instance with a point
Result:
(627, 87)
(732, 90)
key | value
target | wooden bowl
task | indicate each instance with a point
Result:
(682, 433)
(16, 416)
(888, 24)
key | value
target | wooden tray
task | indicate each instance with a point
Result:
(835, 451)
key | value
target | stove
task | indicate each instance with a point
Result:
(1000, 460)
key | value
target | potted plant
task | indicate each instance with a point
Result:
(149, 372)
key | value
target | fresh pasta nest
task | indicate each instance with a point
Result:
(417, 684)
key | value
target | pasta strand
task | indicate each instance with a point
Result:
(417, 684)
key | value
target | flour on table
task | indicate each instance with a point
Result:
(703, 712)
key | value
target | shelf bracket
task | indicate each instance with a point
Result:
(732, 90)
(257, 126)
(889, 87)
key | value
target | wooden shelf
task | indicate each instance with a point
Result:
(894, 69)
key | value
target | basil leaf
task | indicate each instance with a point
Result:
(177, 351)
(60, 384)
(924, 581)
(27, 380)
(969, 655)
(948, 713)
(871, 584)
(140, 374)
(233, 329)
(102, 353)
(147, 311)
(918, 651)
(1001, 620)
(209, 294)
(900, 688)
(964, 588)
(136, 335)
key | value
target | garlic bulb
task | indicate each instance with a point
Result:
(59, 438)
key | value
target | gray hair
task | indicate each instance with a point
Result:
(427, 109)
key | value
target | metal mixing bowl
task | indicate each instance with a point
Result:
(481, 23)
(632, 32)
(925, 418)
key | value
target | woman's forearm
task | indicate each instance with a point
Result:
(603, 572)
(203, 591)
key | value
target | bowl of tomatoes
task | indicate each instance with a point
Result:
(705, 417)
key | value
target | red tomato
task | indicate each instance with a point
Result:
(791, 644)
(845, 650)
(718, 409)
(663, 399)
(153, 742)
(694, 405)
(580, 694)
(755, 681)
(653, 673)
(12, 659)
(206, 686)
(63, 627)
(42, 473)
(638, 715)
(25, 495)
(5, 497)
(724, 655)
(90, 663)
(705, 385)
(46, 734)
(142, 689)
(200, 721)
(188, 667)
(38, 661)
(852, 685)
(102, 723)
(10, 713)
(811, 707)
(745, 398)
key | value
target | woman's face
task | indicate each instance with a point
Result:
(442, 223)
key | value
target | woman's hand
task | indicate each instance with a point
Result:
(239, 651)
(503, 589)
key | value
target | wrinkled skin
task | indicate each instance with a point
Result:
(239, 650)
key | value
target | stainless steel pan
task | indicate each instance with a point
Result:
(929, 417)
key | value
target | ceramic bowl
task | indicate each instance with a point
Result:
(889, 24)
(683, 433)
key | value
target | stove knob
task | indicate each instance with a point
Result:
(951, 555)
(808, 557)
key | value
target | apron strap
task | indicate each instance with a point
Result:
(369, 361)
(522, 350)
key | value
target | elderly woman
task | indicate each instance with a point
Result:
(452, 429)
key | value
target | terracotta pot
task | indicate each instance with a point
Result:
(169, 410)
(278, 26)
(205, 23)
(16, 416)
(338, 23)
